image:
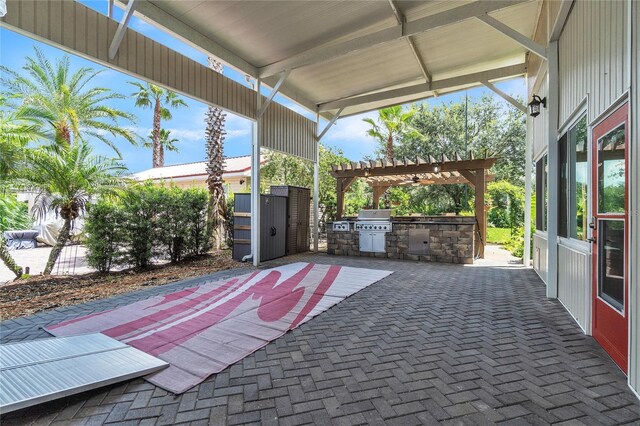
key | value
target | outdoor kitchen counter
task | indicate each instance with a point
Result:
(448, 239)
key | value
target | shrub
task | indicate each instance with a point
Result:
(182, 222)
(147, 222)
(229, 219)
(103, 229)
(507, 205)
(14, 214)
(139, 208)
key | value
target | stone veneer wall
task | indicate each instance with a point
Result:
(449, 242)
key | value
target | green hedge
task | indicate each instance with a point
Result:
(146, 222)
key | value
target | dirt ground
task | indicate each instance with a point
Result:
(40, 293)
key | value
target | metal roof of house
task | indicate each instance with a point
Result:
(357, 55)
(231, 165)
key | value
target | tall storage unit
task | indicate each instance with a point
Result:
(273, 226)
(298, 216)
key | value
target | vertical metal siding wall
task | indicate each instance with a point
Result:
(573, 284)
(540, 124)
(540, 256)
(83, 31)
(287, 131)
(593, 56)
(634, 190)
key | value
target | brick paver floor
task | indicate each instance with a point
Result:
(431, 343)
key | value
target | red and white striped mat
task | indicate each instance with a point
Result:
(202, 330)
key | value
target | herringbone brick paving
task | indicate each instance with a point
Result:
(431, 343)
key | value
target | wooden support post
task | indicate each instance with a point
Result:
(339, 199)
(378, 191)
(480, 213)
(469, 176)
(342, 186)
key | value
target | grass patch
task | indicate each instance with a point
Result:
(498, 235)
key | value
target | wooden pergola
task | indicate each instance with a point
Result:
(384, 174)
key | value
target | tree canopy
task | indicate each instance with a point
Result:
(64, 103)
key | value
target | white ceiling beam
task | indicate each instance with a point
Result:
(122, 28)
(396, 12)
(423, 68)
(157, 17)
(516, 36)
(110, 8)
(329, 51)
(400, 18)
(273, 93)
(448, 83)
(561, 19)
(331, 123)
(154, 15)
(505, 96)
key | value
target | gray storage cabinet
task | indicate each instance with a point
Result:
(298, 216)
(273, 226)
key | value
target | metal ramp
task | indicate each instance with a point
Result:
(43, 370)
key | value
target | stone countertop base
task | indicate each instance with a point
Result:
(448, 241)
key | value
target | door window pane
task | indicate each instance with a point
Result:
(579, 158)
(611, 171)
(611, 258)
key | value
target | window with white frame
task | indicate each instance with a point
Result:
(573, 184)
(541, 194)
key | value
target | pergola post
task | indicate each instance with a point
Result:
(480, 184)
(378, 191)
(342, 185)
(339, 199)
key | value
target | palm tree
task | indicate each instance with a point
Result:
(160, 99)
(64, 102)
(65, 178)
(15, 133)
(393, 122)
(167, 141)
(215, 133)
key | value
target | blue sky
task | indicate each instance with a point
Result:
(187, 125)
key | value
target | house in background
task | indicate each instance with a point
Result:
(236, 177)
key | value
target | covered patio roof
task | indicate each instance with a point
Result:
(334, 58)
(356, 56)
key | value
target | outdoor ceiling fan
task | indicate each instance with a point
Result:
(415, 180)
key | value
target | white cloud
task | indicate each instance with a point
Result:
(236, 133)
(187, 135)
(351, 130)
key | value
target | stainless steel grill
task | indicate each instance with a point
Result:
(373, 226)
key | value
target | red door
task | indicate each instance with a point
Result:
(610, 228)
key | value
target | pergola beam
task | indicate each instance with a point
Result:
(330, 51)
(415, 168)
(122, 28)
(444, 84)
(505, 96)
(428, 181)
(516, 36)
